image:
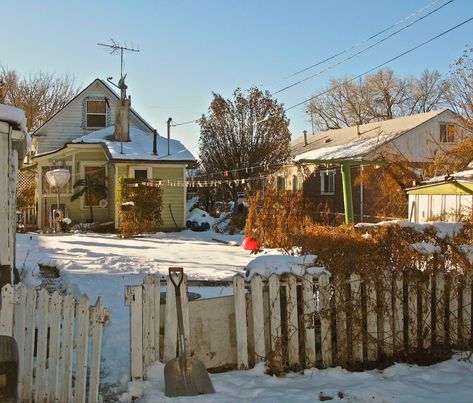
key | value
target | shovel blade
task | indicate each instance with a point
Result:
(186, 378)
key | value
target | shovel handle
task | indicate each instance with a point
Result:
(179, 272)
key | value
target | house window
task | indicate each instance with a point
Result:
(141, 174)
(296, 183)
(447, 133)
(327, 182)
(96, 176)
(281, 184)
(96, 114)
(47, 188)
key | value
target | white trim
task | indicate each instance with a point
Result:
(133, 168)
(323, 173)
(184, 216)
(84, 164)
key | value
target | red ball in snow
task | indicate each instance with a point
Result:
(250, 244)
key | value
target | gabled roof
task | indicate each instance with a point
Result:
(138, 149)
(357, 142)
(112, 93)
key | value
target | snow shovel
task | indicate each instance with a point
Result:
(184, 376)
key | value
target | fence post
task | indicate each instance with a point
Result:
(356, 320)
(440, 308)
(240, 321)
(157, 315)
(388, 314)
(308, 304)
(19, 329)
(325, 320)
(30, 324)
(412, 312)
(275, 324)
(292, 322)
(148, 322)
(82, 342)
(133, 298)
(258, 317)
(426, 327)
(453, 338)
(97, 319)
(341, 321)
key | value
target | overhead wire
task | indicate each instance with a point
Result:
(332, 66)
(380, 65)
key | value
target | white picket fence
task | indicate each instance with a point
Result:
(53, 334)
(294, 322)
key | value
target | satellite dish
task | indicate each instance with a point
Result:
(103, 203)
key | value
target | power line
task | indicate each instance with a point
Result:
(363, 50)
(381, 65)
(365, 40)
(185, 123)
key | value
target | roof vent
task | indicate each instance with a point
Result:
(305, 138)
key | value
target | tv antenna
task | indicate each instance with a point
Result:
(116, 48)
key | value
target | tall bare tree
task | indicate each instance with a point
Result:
(40, 95)
(379, 96)
(250, 129)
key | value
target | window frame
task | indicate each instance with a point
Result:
(132, 169)
(330, 173)
(96, 164)
(281, 180)
(447, 137)
(87, 113)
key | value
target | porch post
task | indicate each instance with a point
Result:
(347, 194)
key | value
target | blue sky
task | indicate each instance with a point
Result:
(190, 48)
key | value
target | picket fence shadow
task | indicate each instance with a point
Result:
(53, 333)
(293, 322)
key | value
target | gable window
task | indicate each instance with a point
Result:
(327, 182)
(47, 188)
(447, 133)
(141, 173)
(96, 113)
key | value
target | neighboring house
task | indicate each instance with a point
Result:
(446, 198)
(70, 140)
(414, 138)
(14, 142)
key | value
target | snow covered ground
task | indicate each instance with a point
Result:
(104, 264)
(448, 381)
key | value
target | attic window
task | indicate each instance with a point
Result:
(447, 133)
(96, 114)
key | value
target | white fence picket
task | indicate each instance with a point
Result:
(133, 298)
(275, 322)
(240, 322)
(55, 310)
(41, 346)
(325, 320)
(426, 328)
(97, 320)
(170, 327)
(292, 322)
(341, 321)
(157, 316)
(356, 320)
(6, 311)
(30, 325)
(308, 306)
(148, 323)
(453, 310)
(466, 311)
(398, 317)
(412, 313)
(82, 342)
(19, 330)
(67, 349)
(258, 317)
(440, 308)
(371, 322)
(388, 315)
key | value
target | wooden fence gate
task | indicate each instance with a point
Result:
(52, 333)
(294, 322)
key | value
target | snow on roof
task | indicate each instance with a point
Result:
(356, 142)
(13, 115)
(466, 175)
(140, 146)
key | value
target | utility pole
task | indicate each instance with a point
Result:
(169, 133)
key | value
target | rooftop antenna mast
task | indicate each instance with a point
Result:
(115, 48)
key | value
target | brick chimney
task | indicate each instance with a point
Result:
(122, 120)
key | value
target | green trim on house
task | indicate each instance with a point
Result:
(443, 188)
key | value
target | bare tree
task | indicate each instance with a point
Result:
(378, 96)
(40, 95)
(250, 129)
